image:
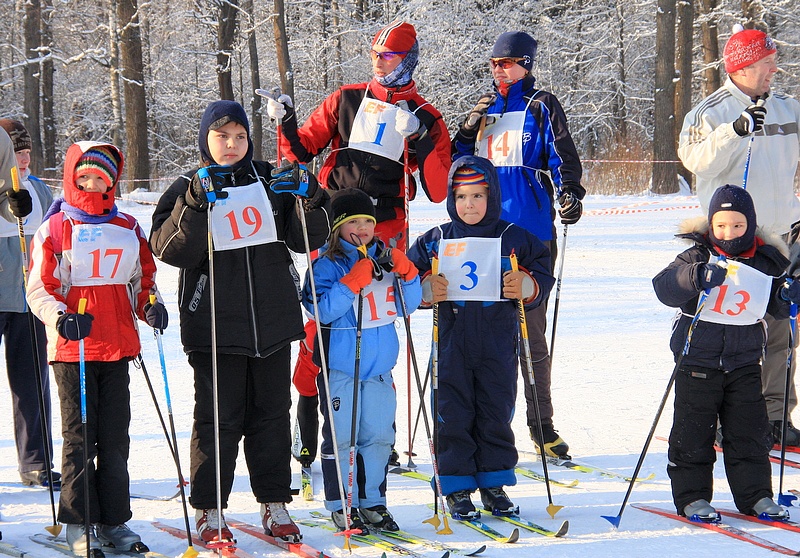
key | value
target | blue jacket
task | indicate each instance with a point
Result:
(379, 345)
(551, 164)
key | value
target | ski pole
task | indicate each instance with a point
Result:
(787, 499)
(190, 552)
(446, 530)
(276, 92)
(552, 509)
(614, 520)
(562, 252)
(87, 522)
(759, 103)
(435, 389)
(44, 415)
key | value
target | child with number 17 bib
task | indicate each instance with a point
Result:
(344, 276)
(741, 269)
(476, 290)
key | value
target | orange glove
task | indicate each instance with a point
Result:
(359, 276)
(403, 266)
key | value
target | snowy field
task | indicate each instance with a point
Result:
(611, 367)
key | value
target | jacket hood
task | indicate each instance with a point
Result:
(695, 229)
(487, 225)
(94, 203)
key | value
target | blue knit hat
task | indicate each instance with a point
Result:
(516, 44)
(733, 198)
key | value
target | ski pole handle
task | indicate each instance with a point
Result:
(82, 306)
(15, 178)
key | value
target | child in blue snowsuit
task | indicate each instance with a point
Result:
(342, 278)
(478, 334)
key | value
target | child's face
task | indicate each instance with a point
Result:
(471, 202)
(228, 145)
(91, 182)
(728, 225)
(23, 159)
(361, 227)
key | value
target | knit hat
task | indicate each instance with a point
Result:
(216, 115)
(99, 160)
(516, 44)
(19, 135)
(398, 36)
(351, 203)
(745, 47)
(469, 176)
(733, 198)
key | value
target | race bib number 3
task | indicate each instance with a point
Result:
(472, 268)
(741, 300)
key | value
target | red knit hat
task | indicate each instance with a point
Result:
(745, 47)
(398, 36)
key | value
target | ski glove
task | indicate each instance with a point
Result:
(434, 289)
(20, 203)
(519, 285)
(294, 178)
(74, 326)
(791, 292)
(359, 276)
(408, 125)
(403, 266)
(197, 197)
(278, 108)
(472, 123)
(571, 208)
(711, 275)
(750, 121)
(156, 316)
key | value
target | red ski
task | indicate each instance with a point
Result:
(299, 549)
(788, 525)
(181, 534)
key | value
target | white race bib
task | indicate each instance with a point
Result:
(500, 141)
(243, 219)
(379, 303)
(472, 268)
(741, 300)
(374, 130)
(103, 254)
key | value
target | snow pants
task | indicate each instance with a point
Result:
(254, 402)
(773, 373)
(701, 396)
(375, 411)
(21, 369)
(108, 415)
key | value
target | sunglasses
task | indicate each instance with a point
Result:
(504, 63)
(385, 56)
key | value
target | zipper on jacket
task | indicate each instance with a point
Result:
(252, 301)
(532, 185)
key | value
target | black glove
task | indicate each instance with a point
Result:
(196, 196)
(74, 326)
(156, 316)
(571, 208)
(472, 123)
(751, 120)
(294, 178)
(20, 203)
(791, 292)
(711, 275)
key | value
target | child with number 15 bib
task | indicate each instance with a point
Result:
(475, 289)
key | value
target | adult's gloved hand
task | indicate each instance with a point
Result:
(74, 326)
(473, 120)
(750, 121)
(196, 196)
(570, 209)
(711, 275)
(791, 292)
(294, 178)
(409, 126)
(359, 276)
(20, 203)
(156, 316)
(278, 108)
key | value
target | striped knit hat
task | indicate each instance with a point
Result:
(468, 176)
(398, 36)
(101, 161)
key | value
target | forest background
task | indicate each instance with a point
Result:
(140, 74)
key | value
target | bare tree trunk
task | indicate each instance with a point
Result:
(618, 104)
(33, 38)
(282, 48)
(683, 92)
(130, 38)
(257, 124)
(664, 148)
(47, 71)
(227, 32)
(712, 79)
(118, 125)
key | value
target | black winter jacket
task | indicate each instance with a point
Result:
(257, 288)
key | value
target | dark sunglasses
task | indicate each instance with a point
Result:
(385, 56)
(504, 63)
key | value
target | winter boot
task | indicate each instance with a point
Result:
(208, 526)
(357, 526)
(379, 517)
(554, 445)
(394, 458)
(765, 508)
(308, 425)
(497, 501)
(792, 433)
(461, 506)
(120, 537)
(701, 511)
(39, 478)
(276, 522)
(76, 539)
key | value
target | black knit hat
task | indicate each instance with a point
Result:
(516, 44)
(19, 135)
(733, 198)
(351, 203)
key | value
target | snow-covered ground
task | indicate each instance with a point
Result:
(611, 367)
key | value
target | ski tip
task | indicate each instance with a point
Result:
(613, 519)
(478, 550)
(446, 554)
(563, 529)
(513, 537)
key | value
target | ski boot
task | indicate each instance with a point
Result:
(76, 539)
(700, 511)
(357, 526)
(497, 501)
(120, 537)
(379, 517)
(277, 523)
(554, 445)
(208, 525)
(461, 506)
(766, 509)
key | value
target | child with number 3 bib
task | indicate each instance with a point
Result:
(475, 289)
(719, 378)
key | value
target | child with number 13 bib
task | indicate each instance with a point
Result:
(475, 289)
